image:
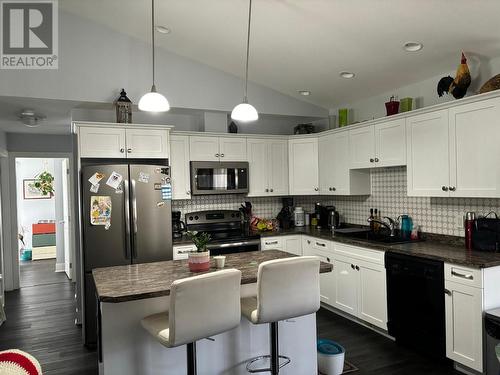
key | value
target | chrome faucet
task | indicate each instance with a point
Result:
(391, 225)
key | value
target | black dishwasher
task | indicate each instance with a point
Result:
(415, 300)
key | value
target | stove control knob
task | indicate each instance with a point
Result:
(232, 215)
(190, 218)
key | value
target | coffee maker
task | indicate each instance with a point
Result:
(285, 217)
(329, 218)
(178, 226)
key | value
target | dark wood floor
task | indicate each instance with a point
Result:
(40, 320)
(373, 353)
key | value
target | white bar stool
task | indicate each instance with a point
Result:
(286, 288)
(215, 294)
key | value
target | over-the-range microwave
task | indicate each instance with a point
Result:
(211, 177)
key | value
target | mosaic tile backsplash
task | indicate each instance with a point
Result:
(434, 215)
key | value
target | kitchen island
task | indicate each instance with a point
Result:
(126, 294)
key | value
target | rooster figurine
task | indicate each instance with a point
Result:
(458, 86)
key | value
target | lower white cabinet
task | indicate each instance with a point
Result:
(291, 244)
(327, 279)
(182, 251)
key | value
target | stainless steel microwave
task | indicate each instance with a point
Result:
(211, 177)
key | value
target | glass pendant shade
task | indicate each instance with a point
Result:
(244, 112)
(153, 102)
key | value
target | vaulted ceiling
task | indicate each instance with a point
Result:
(304, 44)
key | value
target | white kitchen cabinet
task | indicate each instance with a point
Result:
(372, 299)
(335, 176)
(379, 145)
(268, 162)
(203, 148)
(327, 279)
(271, 243)
(474, 135)
(147, 144)
(102, 142)
(464, 324)
(290, 243)
(182, 251)
(428, 170)
(211, 148)
(303, 166)
(346, 285)
(180, 172)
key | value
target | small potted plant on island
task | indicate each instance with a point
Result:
(199, 260)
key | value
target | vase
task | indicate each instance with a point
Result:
(199, 261)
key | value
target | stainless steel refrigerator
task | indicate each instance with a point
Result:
(126, 219)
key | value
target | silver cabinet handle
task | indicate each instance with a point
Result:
(453, 188)
(184, 251)
(129, 150)
(271, 190)
(447, 292)
(352, 266)
(357, 268)
(371, 160)
(376, 160)
(267, 190)
(320, 244)
(330, 189)
(221, 155)
(316, 189)
(328, 260)
(272, 243)
(308, 242)
(134, 219)
(444, 188)
(334, 189)
(216, 155)
(128, 244)
(188, 192)
(122, 150)
(463, 276)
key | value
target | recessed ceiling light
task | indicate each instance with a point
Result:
(413, 46)
(162, 29)
(305, 92)
(346, 74)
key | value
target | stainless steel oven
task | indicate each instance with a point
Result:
(209, 177)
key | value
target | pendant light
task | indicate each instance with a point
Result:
(245, 112)
(153, 101)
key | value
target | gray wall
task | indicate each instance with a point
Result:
(39, 143)
(95, 62)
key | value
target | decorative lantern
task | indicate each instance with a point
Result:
(123, 108)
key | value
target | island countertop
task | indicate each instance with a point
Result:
(149, 280)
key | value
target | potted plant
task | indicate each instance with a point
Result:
(199, 260)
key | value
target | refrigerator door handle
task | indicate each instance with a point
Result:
(134, 218)
(127, 219)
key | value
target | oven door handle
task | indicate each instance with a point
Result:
(233, 244)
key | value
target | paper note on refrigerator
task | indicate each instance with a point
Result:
(96, 178)
(100, 210)
(114, 180)
(144, 177)
(95, 188)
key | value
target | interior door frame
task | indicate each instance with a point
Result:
(15, 275)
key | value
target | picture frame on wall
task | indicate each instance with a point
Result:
(31, 192)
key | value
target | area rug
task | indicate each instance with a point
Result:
(348, 368)
(17, 362)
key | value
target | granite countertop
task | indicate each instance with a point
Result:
(449, 249)
(148, 280)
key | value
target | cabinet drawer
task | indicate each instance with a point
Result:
(181, 252)
(271, 243)
(318, 244)
(463, 275)
(368, 255)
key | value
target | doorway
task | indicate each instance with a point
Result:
(43, 214)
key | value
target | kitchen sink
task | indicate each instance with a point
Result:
(380, 237)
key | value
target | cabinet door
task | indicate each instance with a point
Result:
(147, 144)
(327, 164)
(372, 300)
(233, 149)
(278, 167)
(101, 142)
(303, 166)
(390, 143)
(203, 148)
(428, 171)
(259, 164)
(362, 147)
(464, 330)
(179, 161)
(475, 149)
(182, 252)
(292, 244)
(327, 279)
(346, 285)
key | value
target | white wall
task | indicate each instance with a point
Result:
(95, 62)
(59, 212)
(423, 92)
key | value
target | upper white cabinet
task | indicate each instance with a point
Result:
(303, 166)
(454, 152)
(268, 162)
(380, 145)
(147, 144)
(207, 148)
(428, 171)
(475, 149)
(335, 177)
(179, 161)
(117, 142)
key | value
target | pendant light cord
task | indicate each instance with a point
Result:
(153, 38)
(245, 100)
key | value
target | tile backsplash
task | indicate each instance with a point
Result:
(434, 215)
